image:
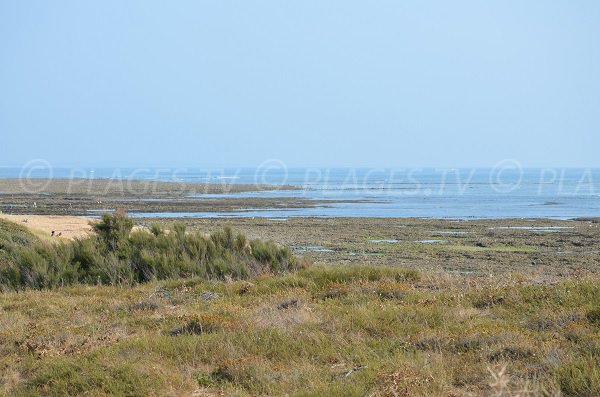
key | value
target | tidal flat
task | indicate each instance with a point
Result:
(478, 247)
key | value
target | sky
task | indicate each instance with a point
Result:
(310, 83)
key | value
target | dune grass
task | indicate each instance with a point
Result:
(330, 331)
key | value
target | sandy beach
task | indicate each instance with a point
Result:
(67, 226)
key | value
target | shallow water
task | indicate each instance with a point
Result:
(389, 193)
(428, 193)
(539, 229)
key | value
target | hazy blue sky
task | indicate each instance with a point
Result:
(395, 83)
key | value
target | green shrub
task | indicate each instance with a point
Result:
(593, 316)
(156, 230)
(113, 229)
(118, 256)
(579, 377)
(76, 376)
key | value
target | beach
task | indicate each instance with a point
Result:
(69, 227)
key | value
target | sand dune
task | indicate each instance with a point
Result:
(69, 226)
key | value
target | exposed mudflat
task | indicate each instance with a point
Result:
(91, 197)
(482, 247)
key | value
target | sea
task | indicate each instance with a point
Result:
(505, 191)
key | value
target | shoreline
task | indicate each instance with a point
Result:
(158, 199)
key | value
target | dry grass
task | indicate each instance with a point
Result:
(332, 331)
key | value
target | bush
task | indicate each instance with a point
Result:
(113, 229)
(593, 316)
(118, 256)
(580, 377)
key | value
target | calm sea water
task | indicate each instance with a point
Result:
(503, 192)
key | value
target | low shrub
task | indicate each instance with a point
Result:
(579, 377)
(117, 256)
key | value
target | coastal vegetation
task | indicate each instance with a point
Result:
(167, 311)
(322, 330)
(118, 255)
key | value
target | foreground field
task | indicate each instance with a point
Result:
(331, 331)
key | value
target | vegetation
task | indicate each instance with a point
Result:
(116, 255)
(331, 331)
(240, 324)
